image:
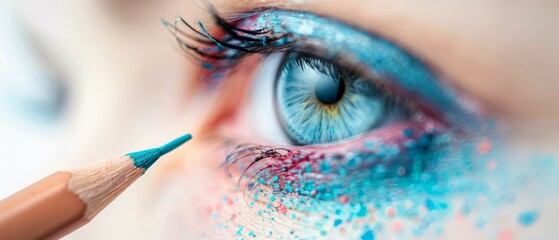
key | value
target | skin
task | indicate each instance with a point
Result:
(502, 55)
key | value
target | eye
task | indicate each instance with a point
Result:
(334, 83)
(319, 101)
(373, 123)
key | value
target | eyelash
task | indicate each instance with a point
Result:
(285, 170)
(218, 54)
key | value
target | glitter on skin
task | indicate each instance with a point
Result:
(505, 234)
(368, 235)
(390, 212)
(337, 222)
(484, 147)
(528, 218)
(397, 226)
(310, 194)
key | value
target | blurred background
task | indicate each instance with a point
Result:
(84, 80)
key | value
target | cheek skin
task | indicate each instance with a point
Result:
(189, 203)
(190, 193)
(201, 201)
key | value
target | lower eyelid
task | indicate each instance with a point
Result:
(386, 145)
(398, 134)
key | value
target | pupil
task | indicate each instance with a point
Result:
(329, 91)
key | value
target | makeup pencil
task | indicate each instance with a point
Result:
(66, 200)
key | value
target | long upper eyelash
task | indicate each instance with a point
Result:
(214, 52)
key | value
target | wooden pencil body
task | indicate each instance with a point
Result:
(64, 201)
(46, 209)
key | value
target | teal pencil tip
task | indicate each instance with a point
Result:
(170, 146)
(144, 159)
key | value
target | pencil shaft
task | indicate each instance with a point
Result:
(64, 201)
(43, 210)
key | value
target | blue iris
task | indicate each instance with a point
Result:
(321, 102)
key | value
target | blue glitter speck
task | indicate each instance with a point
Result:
(337, 222)
(527, 218)
(368, 235)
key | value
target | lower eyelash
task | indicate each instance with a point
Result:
(321, 172)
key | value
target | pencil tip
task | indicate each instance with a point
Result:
(144, 159)
(174, 144)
